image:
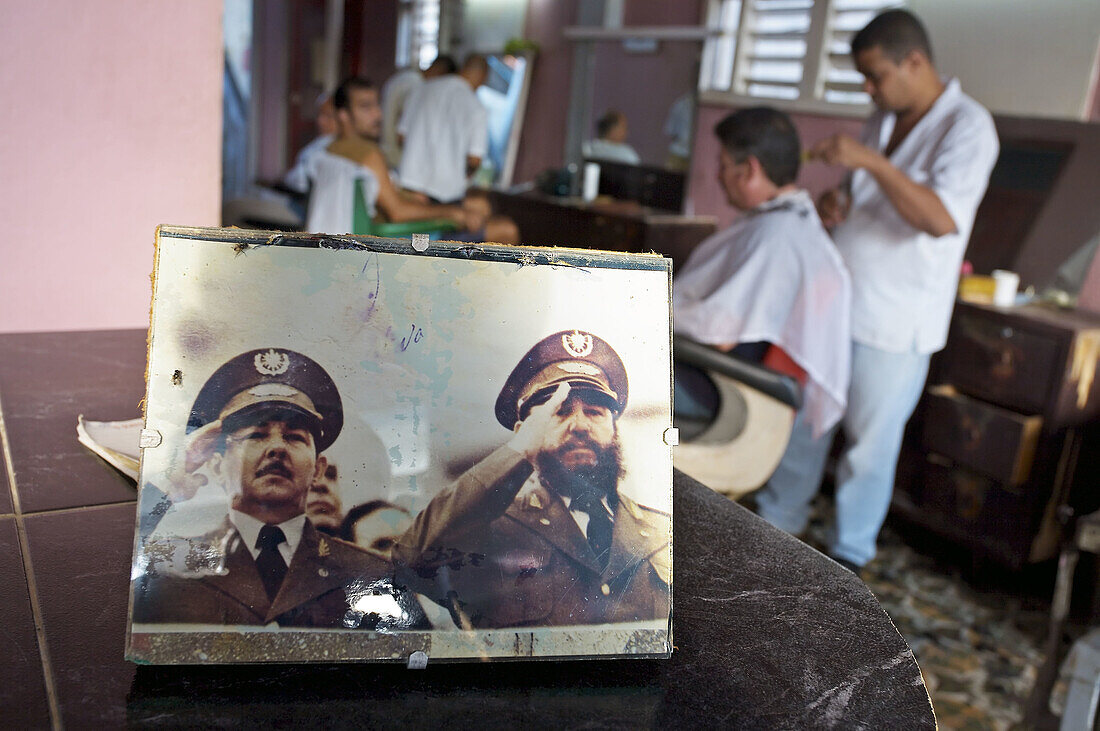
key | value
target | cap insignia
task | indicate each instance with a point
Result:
(272, 363)
(577, 344)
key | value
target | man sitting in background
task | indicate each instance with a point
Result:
(773, 286)
(610, 143)
(355, 154)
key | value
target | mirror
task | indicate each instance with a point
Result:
(668, 72)
(504, 94)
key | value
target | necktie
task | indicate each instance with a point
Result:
(599, 526)
(270, 562)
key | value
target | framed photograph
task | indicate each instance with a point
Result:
(357, 450)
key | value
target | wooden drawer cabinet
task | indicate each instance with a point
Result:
(980, 436)
(996, 442)
(608, 225)
(1000, 363)
(961, 504)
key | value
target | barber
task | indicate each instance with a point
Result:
(918, 173)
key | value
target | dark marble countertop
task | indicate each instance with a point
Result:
(768, 633)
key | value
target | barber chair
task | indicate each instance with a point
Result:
(734, 419)
(339, 204)
(364, 225)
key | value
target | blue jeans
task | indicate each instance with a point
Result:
(885, 388)
(785, 500)
(884, 391)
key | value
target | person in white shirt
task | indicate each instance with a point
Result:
(773, 278)
(610, 143)
(445, 132)
(919, 172)
(396, 91)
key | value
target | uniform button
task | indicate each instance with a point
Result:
(544, 521)
(322, 572)
(605, 589)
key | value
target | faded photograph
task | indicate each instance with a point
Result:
(418, 450)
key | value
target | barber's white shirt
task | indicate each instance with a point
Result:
(904, 280)
(249, 530)
(774, 276)
(443, 124)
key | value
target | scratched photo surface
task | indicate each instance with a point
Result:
(355, 393)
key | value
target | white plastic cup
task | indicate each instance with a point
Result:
(591, 187)
(1005, 284)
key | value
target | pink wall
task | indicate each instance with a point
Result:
(704, 194)
(666, 74)
(543, 135)
(112, 125)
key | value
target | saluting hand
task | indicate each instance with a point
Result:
(184, 480)
(531, 431)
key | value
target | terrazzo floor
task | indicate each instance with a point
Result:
(977, 631)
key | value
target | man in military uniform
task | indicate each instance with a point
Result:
(538, 532)
(259, 425)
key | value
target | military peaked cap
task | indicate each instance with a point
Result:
(270, 383)
(584, 361)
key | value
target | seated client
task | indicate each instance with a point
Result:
(772, 287)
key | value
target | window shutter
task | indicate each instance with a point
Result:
(840, 82)
(794, 53)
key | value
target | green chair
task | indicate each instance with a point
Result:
(363, 225)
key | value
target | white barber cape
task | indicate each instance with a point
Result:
(774, 276)
(331, 198)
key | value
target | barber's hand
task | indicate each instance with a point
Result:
(202, 444)
(458, 215)
(833, 207)
(843, 150)
(477, 212)
(529, 436)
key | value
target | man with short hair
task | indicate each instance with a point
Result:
(540, 532)
(355, 155)
(445, 133)
(610, 143)
(323, 505)
(259, 425)
(773, 288)
(919, 171)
